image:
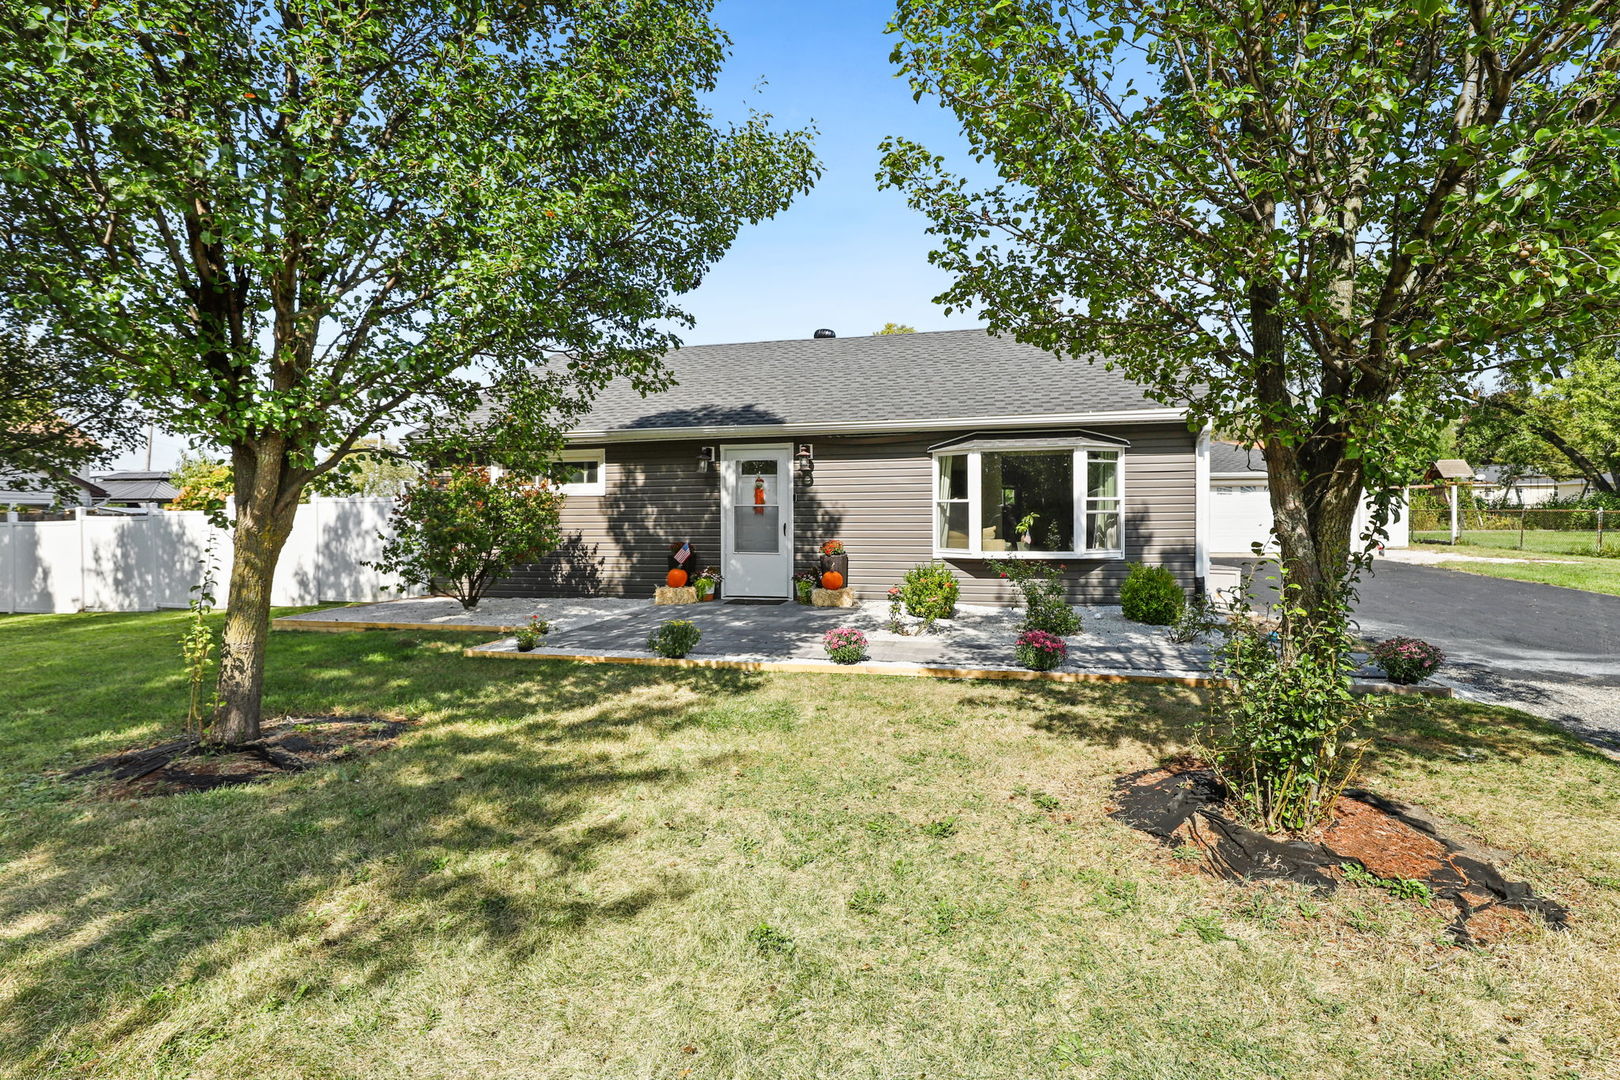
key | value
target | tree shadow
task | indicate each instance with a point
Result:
(1405, 730)
(335, 879)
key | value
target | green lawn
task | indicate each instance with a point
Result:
(1543, 541)
(1571, 571)
(600, 871)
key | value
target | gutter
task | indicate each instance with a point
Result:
(875, 427)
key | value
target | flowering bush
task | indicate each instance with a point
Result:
(1040, 651)
(529, 634)
(675, 638)
(458, 532)
(845, 645)
(1046, 602)
(930, 591)
(833, 547)
(1406, 660)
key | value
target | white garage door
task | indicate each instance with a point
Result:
(1239, 516)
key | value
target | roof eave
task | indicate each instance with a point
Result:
(876, 427)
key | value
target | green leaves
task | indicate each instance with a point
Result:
(1296, 229)
(313, 221)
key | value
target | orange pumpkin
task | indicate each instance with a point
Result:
(675, 578)
(832, 579)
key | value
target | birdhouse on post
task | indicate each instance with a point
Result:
(1452, 472)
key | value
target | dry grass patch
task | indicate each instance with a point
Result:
(568, 871)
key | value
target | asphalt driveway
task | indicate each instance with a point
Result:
(1550, 651)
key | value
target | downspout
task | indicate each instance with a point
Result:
(1201, 509)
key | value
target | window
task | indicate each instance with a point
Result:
(582, 473)
(1028, 500)
(952, 514)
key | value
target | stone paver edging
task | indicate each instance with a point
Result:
(505, 650)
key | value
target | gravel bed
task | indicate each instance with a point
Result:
(562, 612)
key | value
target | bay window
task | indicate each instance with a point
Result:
(1028, 500)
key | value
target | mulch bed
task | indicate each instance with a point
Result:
(289, 745)
(1390, 840)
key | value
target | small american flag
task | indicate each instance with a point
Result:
(685, 553)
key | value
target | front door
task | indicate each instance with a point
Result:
(756, 515)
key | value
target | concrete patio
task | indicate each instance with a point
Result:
(978, 643)
(979, 639)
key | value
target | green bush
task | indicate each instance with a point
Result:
(930, 591)
(1151, 595)
(458, 532)
(1283, 734)
(1046, 595)
(675, 638)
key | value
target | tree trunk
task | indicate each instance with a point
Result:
(1314, 514)
(264, 514)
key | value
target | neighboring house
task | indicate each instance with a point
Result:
(956, 446)
(144, 490)
(40, 490)
(1501, 484)
(1240, 503)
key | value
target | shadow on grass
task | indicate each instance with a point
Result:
(1167, 720)
(481, 829)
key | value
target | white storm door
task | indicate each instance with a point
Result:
(756, 520)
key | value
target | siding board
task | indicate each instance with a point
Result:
(873, 494)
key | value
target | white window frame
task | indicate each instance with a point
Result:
(600, 486)
(1082, 451)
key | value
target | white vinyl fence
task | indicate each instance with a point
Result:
(141, 562)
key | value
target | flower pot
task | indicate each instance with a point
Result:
(837, 564)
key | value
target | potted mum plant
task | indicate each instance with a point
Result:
(1406, 660)
(1040, 651)
(845, 645)
(804, 583)
(707, 584)
(834, 559)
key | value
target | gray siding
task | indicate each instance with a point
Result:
(874, 494)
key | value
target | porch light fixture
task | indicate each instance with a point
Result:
(705, 460)
(805, 460)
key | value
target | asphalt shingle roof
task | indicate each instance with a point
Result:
(944, 375)
(1225, 457)
(137, 486)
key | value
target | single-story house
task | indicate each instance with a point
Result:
(1240, 503)
(1502, 484)
(957, 446)
(38, 490)
(146, 489)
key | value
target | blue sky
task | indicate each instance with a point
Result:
(847, 256)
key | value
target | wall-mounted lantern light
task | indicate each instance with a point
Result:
(705, 460)
(805, 459)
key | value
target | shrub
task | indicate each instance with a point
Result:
(845, 645)
(1046, 601)
(457, 532)
(675, 638)
(1040, 651)
(1406, 660)
(1282, 735)
(1199, 617)
(1151, 595)
(930, 591)
(529, 634)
